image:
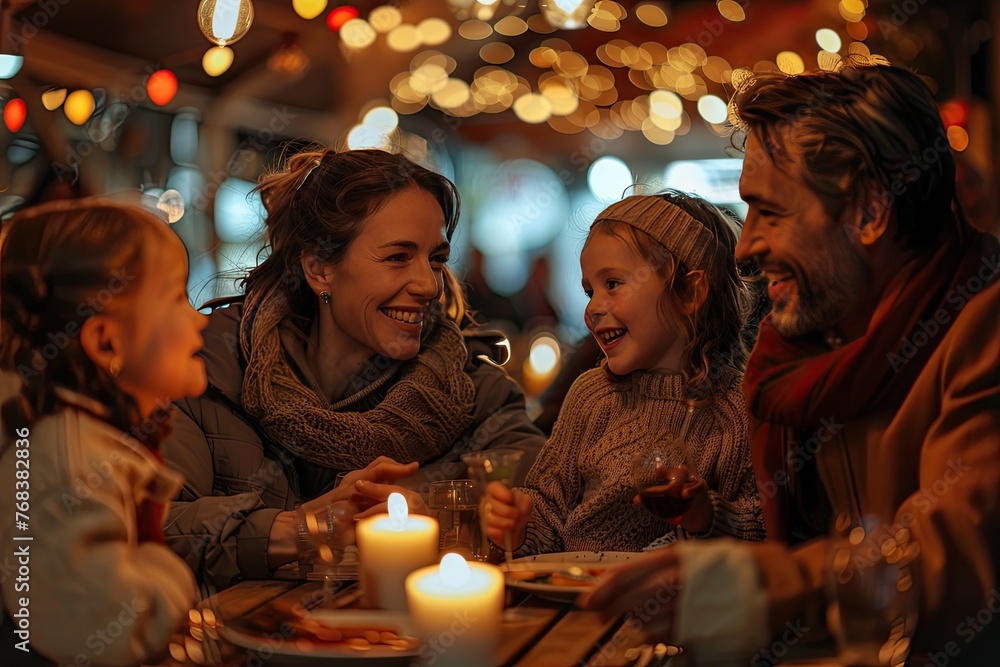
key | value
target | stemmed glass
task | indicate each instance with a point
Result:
(495, 465)
(659, 478)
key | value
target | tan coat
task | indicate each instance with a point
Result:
(93, 592)
(934, 468)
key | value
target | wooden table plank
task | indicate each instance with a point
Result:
(244, 597)
(571, 640)
(521, 627)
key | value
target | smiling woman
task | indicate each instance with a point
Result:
(346, 347)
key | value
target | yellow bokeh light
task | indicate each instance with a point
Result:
(452, 94)
(52, 99)
(570, 64)
(652, 14)
(712, 108)
(475, 30)
(403, 38)
(859, 48)
(538, 23)
(718, 69)
(358, 34)
(858, 31)
(496, 53)
(432, 57)
(434, 31)
(731, 10)
(428, 78)
(655, 133)
(366, 136)
(385, 18)
(852, 10)
(79, 106)
(958, 138)
(828, 40)
(533, 108)
(381, 117)
(217, 60)
(543, 56)
(828, 61)
(308, 9)
(790, 62)
(511, 26)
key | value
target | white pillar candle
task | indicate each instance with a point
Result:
(457, 608)
(391, 546)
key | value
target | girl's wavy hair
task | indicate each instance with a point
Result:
(61, 264)
(716, 329)
(869, 137)
(316, 204)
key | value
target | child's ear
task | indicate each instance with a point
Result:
(318, 274)
(699, 291)
(101, 339)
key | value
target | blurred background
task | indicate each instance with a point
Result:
(542, 111)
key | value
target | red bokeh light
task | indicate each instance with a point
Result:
(955, 112)
(161, 87)
(15, 112)
(339, 16)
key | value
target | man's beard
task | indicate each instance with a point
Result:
(835, 286)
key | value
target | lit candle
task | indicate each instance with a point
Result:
(391, 546)
(457, 607)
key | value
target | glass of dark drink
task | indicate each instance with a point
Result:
(658, 480)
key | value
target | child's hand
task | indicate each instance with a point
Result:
(699, 518)
(506, 511)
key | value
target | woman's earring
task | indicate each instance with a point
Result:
(114, 368)
(325, 296)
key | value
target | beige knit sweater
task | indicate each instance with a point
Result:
(581, 483)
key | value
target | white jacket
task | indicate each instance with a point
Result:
(91, 589)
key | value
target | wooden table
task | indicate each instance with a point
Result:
(536, 632)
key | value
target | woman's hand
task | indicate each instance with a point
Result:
(380, 471)
(374, 498)
(506, 511)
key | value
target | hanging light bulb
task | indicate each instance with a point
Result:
(14, 114)
(308, 9)
(161, 87)
(566, 14)
(225, 22)
(217, 60)
(79, 106)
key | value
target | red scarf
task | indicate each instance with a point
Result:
(797, 382)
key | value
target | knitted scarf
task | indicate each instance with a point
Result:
(423, 413)
(794, 383)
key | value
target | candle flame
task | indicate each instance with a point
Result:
(398, 511)
(454, 571)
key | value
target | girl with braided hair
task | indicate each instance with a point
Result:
(98, 337)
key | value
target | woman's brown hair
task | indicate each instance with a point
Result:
(316, 204)
(61, 264)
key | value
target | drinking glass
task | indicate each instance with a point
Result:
(455, 504)
(872, 593)
(659, 479)
(495, 465)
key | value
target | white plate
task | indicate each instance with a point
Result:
(344, 656)
(561, 561)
